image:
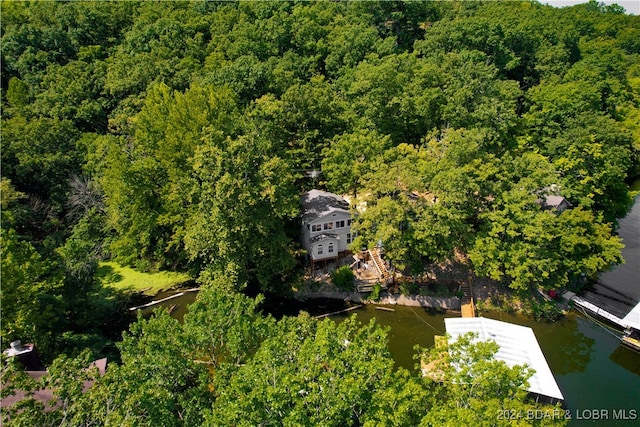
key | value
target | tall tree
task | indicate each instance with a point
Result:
(147, 180)
(244, 198)
(476, 387)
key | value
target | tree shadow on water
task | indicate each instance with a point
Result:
(627, 358)
(567, 349)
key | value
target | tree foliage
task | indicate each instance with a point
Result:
(177, 135)
(141, 98)
(229, 365)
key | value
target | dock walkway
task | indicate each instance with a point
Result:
(467, 306)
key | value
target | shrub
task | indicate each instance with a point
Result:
(545, 310)
(343, 278)
(409, 288)
(375, 292)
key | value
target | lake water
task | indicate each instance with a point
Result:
(592, 370)
(618, 290)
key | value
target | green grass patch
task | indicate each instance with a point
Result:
(125, 278)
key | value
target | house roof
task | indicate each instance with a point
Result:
(632, 318)
(518, 346)
(553, 201)
(45, 395)
(323, 236)
(318, 203)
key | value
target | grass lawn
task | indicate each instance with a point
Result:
(125, 278)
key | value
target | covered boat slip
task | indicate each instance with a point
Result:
(632, 319)
(518, 346)
(632, 335)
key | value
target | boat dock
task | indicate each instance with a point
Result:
(630, 324)
(592, 308)
(467, 306)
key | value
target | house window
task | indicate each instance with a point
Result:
(320, 250)
(349, 222)
(330, 248)
(316, 227)
(328, 225)
(340, 224)
(348, 238)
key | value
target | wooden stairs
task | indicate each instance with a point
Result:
(380, 265)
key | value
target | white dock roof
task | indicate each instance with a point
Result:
(518, 346)
(632, 319)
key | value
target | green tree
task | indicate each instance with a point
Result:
(75, 92)
(308, 373)
(476, 387)
(39, 156)
(148, 180)
(593, 157)
(158, 383)
(244, 199)
(225, 327)
(529, 248)
(350, 157)
(32, 305)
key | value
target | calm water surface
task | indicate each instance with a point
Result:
(592, 370)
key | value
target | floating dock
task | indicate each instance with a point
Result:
(630, 324)
(583, 303)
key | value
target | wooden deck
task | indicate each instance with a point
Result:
(468, 308)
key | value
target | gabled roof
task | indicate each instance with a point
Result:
(518, 346)
(632, 319)
(323, 236)
(318, 203)
(553, 202)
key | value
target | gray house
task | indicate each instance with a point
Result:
(326, 224)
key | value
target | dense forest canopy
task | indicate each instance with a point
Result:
(176, 135)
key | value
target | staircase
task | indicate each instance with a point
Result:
(467, 306)
(380, 265)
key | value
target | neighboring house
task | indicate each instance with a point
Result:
(28, 357)
(326, 224)
(557, 203)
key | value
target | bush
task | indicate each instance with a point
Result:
(343, 278)
(545, 310)
(375, 292)
(409, 288)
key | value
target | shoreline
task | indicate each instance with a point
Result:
(444, 303)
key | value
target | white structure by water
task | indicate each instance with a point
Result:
(632, 319)
(518, 346)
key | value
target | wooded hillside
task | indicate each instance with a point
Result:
(176, 135)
